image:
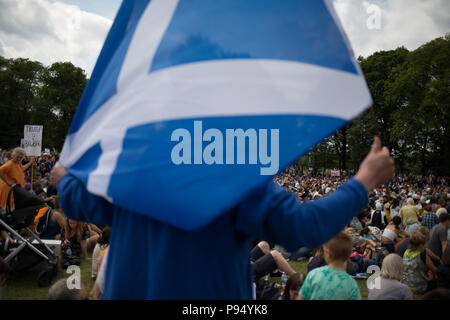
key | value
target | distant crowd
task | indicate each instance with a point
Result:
(403, 231)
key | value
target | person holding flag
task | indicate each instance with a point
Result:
(182, 127)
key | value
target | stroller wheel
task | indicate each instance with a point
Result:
(45, 277)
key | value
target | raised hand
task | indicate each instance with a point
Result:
(377, 168)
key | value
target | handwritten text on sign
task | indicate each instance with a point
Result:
(33, 140)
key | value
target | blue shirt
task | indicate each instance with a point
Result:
(429, 219)
(152, 260)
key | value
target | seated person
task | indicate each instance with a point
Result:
(416, 263)
(388, 286)
(298, 255)
(74, 238)
(358, 264)
(393, 235)
(293, 286)
(378, 218)
(364, 244)
(265, 261)
(60, 291)
(101, 244)
(355, 224)
(317, 260)
(411, 225)
(331, 282)
(48, 223)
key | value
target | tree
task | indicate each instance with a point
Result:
(63, 86)
(20, 80)
(422, 90)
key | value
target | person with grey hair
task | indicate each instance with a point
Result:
(60, 291)
(410, 211)
(387, 285)
(12, 172)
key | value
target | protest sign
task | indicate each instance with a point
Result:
(33, 140)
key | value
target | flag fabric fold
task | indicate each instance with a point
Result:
(195, 103)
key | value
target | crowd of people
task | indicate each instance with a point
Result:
(77, 238)
(403, 231)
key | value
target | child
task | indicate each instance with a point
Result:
(332, 282)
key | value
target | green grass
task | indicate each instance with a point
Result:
(23, 286)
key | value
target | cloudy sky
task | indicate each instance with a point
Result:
(74, 30)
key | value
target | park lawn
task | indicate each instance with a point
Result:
(23, 286)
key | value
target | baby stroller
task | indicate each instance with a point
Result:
(23, 254)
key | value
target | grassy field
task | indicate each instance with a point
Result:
(23, 286)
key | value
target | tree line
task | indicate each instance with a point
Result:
(410, 113)
(411, 110)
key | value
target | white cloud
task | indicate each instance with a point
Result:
(409, 23)
(50, 32)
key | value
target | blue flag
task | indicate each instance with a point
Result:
(195, 103)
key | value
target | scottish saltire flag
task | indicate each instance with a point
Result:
(194, 103)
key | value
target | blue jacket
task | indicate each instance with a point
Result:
(151, 260)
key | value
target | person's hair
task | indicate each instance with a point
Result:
(416, 240)
(60, 291)
(392, 267)
(56, 202)
(294, 282)
(446, 256)
(440, 211)
(424, 230)
(320, 255)
(410, 201)
(104, 238)
(443, 217)
(78, 230)
(395, 203)
(18, 151)
(397, 221)
(364, 231)
(340, 246)
(437, 294)
(37, 185)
